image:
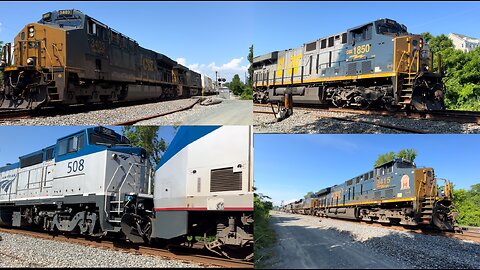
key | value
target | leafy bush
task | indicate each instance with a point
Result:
(468, 205)
(264, 235)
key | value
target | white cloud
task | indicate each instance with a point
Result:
(0, 27)
(226, 70)
(181, 61)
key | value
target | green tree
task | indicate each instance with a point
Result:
(467, 203)
(308, 194)
(247, 93)
(250, 68)
(147, 138)
(236, 85)
(462, 73)
(408, 154)
(384, 158)
(264, 235)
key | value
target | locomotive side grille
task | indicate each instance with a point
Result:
(352, 69)
(389, 193)
(225, 180)
(377, 195)
(366, 67)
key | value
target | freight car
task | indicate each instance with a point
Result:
(208, 86)
(375, 64)
(68, 57)
(93, 182)
(395, 192)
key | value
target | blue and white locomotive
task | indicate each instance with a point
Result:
(94, 182)
(80, 184)
(203, 187)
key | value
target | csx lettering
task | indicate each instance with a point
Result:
(97, 46)
(76, 166)
(292, 64)
(148, 64)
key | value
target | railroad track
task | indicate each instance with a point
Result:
(134, 121)
(354, 120)
(11, 115)
(467, 233)
(195, 255)
(451, 116)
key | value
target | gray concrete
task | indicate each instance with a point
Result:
(228, 112)
(303, 244)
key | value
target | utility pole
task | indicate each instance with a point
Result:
(216, 79)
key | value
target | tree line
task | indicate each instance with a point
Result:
(244, 90)
(462, 73)
(264, 235)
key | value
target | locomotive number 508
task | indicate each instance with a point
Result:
(76, 166)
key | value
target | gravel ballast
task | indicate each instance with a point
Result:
(108, 116)
(312, 122)
(22, 251)
(411, 249)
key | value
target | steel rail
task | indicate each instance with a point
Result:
(176, 253)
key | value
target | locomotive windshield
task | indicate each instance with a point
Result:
(390, 27)
(70, 18)
(107, 137)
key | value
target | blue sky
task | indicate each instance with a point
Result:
(287, 166)
(290, 24)
(205, 36)
(20, 140)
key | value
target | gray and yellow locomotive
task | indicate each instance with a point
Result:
(375, 64)
(68, 57)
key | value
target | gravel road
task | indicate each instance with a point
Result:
(312, 242)
(22, 251)
(304, 121)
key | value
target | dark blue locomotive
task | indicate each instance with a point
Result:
(395, 192)
(375, 64)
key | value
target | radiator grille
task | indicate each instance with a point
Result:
(225, 180)
(389, 193)
(366, 67)
(352, 69)
(377, 195)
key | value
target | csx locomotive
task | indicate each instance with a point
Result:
(395, 192)
(375, 64)
(93, 182)
(68, 57)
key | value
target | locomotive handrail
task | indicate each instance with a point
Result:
(123, 181)
(399, 62)
(106, 189)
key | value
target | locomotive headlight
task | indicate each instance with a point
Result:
(31, 32)
(30, 61)
(114, 156)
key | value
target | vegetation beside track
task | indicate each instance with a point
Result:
(264, 235)
(462, 73)
(468, 205)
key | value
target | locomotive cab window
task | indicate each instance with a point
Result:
(49, 153)
(92, 27)
(361, 34)
(70, 145)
